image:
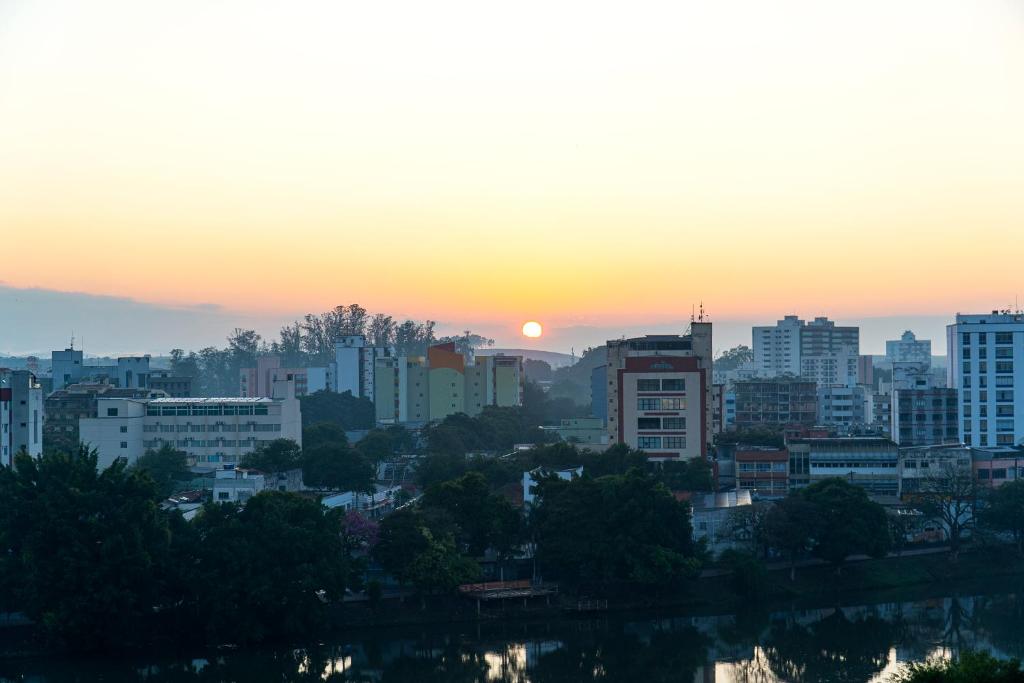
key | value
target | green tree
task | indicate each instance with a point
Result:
(376, 446)
(87, 551)
(790, 527)
(734, 358)
(438, 567)
(695, 474)
(268, 570)
(949, 494)
(484, 519)
(1005, 512)
(166, 466)
(344, 410)
(849, 522)
(323, 434)
(400, 539)
(969, 667)
(338, 468)
(279, 455)
(617, 459)
(613, 529)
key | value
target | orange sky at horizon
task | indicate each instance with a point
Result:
(576, 163)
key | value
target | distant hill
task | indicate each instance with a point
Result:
(552, 358)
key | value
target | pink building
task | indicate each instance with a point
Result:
(258, 382)
(994, 467)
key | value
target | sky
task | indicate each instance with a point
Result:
(598, 167)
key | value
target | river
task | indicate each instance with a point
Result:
(859, 642)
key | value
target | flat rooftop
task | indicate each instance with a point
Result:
(224, 399)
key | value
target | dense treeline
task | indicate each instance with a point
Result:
(309, 342)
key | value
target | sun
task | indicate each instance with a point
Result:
(532, 329)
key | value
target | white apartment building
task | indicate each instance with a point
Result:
(846, 407)
(211, 431)
(983, 350)
(777, 348)
(353, 366)
(817, 350)
(909, 349)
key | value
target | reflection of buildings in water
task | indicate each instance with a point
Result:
(507, 663)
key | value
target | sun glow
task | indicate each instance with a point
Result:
(532, 329)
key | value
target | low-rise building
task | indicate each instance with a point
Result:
(711, 517)
(869, 462)
(762, 471)
(237, 485)
(531, 478)
(994, 466)
(259, 381)
(587, 433)
(919, 463)
(212, 432)
(374, 505)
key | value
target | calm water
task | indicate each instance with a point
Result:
(856, 643)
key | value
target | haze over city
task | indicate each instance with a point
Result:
(585, 164)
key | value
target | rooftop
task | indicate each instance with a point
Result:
(222, 399)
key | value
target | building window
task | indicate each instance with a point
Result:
(678, 442)
(124, 444)
(673, 385)
(645, 442)
(673, 423)
(648, 385)
(111, 412)
(124, 429)
(648, 423)
(647, 404)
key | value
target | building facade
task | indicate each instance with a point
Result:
(923, 417)
(660, 397)
(983, 350)
(414, 389)
(779, 401)
(174, 386)
(868, 462)
(259, 382)
(777, 347)
(845, 407)
(64, 408)
(21, 415)
(762, 471)
(354, 366)
(909, 349)
(211, 431)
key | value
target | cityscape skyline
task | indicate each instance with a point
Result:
(110, 326)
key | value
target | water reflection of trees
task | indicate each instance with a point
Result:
(834, 648)
(828, 645)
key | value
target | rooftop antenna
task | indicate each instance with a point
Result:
(700, 318)
(72, 340)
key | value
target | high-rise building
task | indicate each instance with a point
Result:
(983, 350)
(817, 350)
(21, 415)
(846, 407)
(660, 393)
(415, 389)
(777, 348)
(354, 365)
(909, 349)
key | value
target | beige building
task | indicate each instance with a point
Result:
(660, 396)
(211, 431)
(418, 389)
